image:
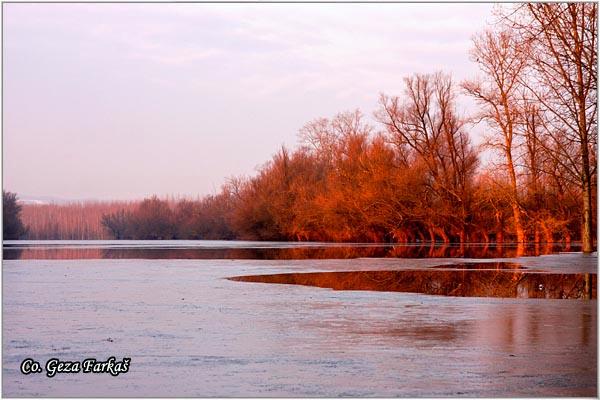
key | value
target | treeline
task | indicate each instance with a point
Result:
(71, 221)
(411, 173)
(154, 218)
(350, 182)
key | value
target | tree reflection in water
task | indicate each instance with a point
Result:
(286, 252)
(481, 280)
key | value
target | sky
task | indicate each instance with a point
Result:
(122, 101)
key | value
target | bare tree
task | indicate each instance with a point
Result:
(427, 124)
(563, 59)
(502, 59)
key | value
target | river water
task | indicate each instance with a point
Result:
(190, 330)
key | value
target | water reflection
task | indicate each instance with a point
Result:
(317, 251)
(483, 266)
(502, 282)
(418, 331)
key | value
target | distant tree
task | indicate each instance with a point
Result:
(154, 220)
(212, 221)
(12, 227)
(186, 219)
(118, 224)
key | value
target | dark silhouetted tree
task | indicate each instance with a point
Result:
(12, 227)
(118, 224)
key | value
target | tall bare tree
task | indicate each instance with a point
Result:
(563, 60)
(425, 122)
(503, 60)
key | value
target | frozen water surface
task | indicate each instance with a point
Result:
(191, 332)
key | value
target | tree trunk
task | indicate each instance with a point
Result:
(514, 198)
(520, 249)
(547, 233)
(567, 240)
(462, 236)
(518, 225)
(499, 228)
(443, 235)
(431, 235)
(486, 237)
(588, 233)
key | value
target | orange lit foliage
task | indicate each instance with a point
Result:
(347, 182)
(414, 179)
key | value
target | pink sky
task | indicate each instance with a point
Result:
(121, 101)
